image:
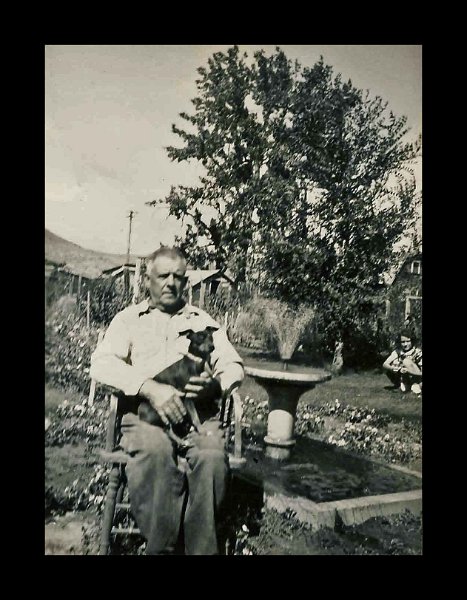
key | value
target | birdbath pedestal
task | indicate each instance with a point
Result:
(284, 389)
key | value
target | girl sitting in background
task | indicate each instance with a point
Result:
(404, 365)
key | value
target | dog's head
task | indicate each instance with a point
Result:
(201, 342)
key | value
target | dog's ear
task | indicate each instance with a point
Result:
(186, 332)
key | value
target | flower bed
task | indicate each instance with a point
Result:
(361, 430)
(283, 534)
(79, 425)
(255, 531)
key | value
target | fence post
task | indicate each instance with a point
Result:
(78, 294)
(388, 308)
(407, 307)
(190, 294)
(88, 309)
(201, 294)
(92, 389)
(136, 281)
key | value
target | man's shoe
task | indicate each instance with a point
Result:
(403, 387)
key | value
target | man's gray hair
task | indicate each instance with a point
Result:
(173, 252)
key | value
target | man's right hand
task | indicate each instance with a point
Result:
(166, 401)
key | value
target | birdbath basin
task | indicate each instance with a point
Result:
(284, 389)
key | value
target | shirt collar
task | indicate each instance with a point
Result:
(145, 308)
(190, 316)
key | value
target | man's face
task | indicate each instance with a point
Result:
(406, 343)
(166, 281)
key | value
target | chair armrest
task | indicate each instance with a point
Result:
(236, 460)
(110, 390)
(117, 456)
(111, 423)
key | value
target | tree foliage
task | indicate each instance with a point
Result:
(309, 180)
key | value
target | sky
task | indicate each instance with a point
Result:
(108, 116)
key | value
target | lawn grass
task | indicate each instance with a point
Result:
(367, 389)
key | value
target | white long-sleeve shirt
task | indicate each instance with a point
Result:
(142, 341)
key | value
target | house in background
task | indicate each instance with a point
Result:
(71, 269)
(207, 282)
(404, 297)
(65, 280)
(120, 272)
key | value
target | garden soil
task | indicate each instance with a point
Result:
(77, 532)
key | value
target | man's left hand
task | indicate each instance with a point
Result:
(203, 387)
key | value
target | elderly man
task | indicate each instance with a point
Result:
(141, 341)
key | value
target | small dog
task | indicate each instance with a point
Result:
(178, 375)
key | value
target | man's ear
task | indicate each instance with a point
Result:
(147, 280)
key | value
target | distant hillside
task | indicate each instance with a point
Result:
(78, 260)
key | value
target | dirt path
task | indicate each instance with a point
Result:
(73, 533)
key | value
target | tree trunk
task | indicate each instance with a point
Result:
(338, 361)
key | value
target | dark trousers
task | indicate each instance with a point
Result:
(164, 497)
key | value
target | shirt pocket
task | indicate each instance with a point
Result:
(148, 342)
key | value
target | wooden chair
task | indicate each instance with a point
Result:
(117, 492)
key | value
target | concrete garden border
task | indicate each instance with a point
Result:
(351, 511)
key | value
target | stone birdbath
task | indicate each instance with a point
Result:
(284, 389)
(284, 383)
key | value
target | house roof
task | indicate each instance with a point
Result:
(119, 269)
(195, 275)
(76, 260)
(391, 276)
(49, 269)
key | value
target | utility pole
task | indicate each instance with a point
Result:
(126, 271)
(130, 216)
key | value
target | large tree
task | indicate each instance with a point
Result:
(308, 182)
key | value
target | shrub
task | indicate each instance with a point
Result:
(271, 325)
(107, 299)
(68, 347)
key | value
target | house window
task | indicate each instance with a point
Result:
(416, 267)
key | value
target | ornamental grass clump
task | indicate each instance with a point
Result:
(286, 324)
